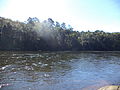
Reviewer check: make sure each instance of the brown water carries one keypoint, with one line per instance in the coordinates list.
(59, 70)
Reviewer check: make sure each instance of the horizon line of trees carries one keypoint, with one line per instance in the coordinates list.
(49, 35)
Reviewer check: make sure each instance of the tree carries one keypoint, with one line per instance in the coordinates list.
(70, 28)
(50, 35)
(63, 26)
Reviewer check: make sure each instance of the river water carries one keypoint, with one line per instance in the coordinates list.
(59, 70)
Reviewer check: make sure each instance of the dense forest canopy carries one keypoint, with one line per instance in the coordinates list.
(48, 35)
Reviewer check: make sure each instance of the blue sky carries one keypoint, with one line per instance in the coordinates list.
(81, 14)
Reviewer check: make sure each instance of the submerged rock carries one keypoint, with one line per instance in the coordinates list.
(112, 87)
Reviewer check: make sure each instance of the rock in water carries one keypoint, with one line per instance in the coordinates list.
(3, 85)
(110, 88)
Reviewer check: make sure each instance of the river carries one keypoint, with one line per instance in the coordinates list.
(59, 70)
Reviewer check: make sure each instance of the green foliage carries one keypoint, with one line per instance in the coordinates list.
(53, 36)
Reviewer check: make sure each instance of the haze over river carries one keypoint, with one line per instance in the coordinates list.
(59, 70)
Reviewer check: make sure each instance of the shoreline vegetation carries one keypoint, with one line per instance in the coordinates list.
(50, 35)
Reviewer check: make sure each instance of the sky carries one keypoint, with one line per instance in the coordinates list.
(82, 15)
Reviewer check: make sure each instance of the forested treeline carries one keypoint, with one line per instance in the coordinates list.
(49, 35)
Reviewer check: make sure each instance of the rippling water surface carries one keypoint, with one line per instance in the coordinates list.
(59, 70)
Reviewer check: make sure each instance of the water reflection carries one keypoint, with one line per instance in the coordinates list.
(59, 70)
